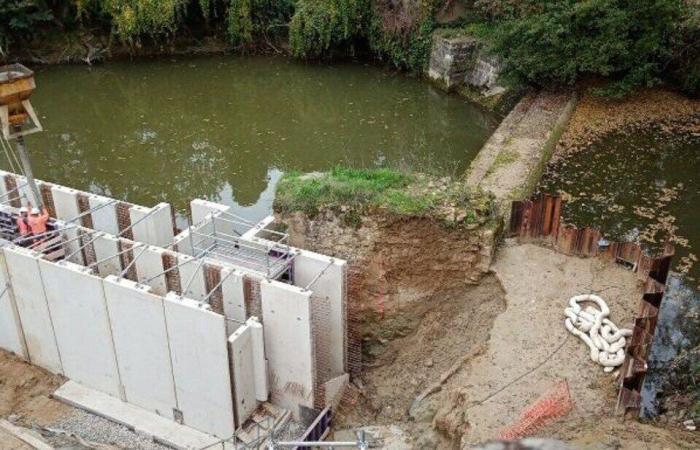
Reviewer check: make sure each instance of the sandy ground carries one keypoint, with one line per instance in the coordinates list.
(499, 350)
(529, 338)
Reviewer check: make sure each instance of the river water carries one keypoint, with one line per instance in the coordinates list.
(226, 128)
(645, 187)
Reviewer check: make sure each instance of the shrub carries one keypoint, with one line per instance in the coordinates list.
(253, 20)
(19, 20)
(324, 28)
(562, 41)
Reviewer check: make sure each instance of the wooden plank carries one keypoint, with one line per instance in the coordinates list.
(25, 436)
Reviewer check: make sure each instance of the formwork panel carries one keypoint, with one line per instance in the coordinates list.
(243, 369)
(233, 298)
(288, 344)
(105, 248)
(155, 229)
(11, 337)
(105, 218)
(199, 352)
(81, 324)
(25, 277)
(331, 286)
(192, 273)
(66, 202)
(141, 343)
(149, 264)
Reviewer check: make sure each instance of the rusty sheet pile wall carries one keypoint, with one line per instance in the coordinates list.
(539, 218)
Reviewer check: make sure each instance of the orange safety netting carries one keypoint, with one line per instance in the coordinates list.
(550, 406)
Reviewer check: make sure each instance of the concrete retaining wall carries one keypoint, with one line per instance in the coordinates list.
(25, 278)
(243, 371)
(199, 353)
(11, 336)
(81, 325)
(288, 344)
(141, 343)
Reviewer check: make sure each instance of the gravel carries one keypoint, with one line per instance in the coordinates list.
(99, 430)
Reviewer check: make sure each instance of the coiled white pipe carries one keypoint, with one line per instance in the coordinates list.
(604, 339)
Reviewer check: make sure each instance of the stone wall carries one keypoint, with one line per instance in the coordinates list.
(460, 61)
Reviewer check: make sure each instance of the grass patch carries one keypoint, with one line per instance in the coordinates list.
(352, 193)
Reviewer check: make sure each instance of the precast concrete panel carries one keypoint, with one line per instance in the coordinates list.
(11, 337)
(199, 352)
(152, 225)
(202, 208)
(106, 246)
(233, 298)
(104, 218)
(262, 387)
(149, 264)
(192, 273)
(141, 343)
(81, 325)
(288, 344)
(65, 201)
(243, 369)
(331, 285)
(71, 245)
(25, 278)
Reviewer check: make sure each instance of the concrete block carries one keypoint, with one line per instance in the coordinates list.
(104, 218)
(192, 272)
(243, 370)
(25, 278)
(66, 202)
(107, 246)
(288, 344)
(81, 325)
(141, 344)
(331, 284)
(199, 352)
(155, 229)
(11, 335)
(183, 244)
(262, 386)
(233, 298)
(150, 264)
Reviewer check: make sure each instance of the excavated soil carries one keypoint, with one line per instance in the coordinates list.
(25, 391)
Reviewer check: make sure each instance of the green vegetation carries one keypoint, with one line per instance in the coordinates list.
(563, 41)
(325, 28)
(543, 43)
(352, 193)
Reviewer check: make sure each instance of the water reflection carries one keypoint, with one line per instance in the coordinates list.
(225, 128)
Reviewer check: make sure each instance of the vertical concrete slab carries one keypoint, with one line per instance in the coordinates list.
(202, 208)
(183, 244)
(288, 344)
(331, 284)
(104, 218)
(243, 369)
(141, 344)
(192, 272)
(233, 298)
(65, 201)
(71, 245)
(106, 246)
(81, 324)
(11, 335)
(262, 387)
(25, 278)
(199, 352)
(152, 225)
(149, 265)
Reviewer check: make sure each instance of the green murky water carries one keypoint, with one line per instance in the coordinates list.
(226, 128)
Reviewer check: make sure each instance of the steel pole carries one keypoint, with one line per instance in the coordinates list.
(27, 168)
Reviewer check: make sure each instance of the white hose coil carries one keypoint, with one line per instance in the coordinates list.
(604, 339)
